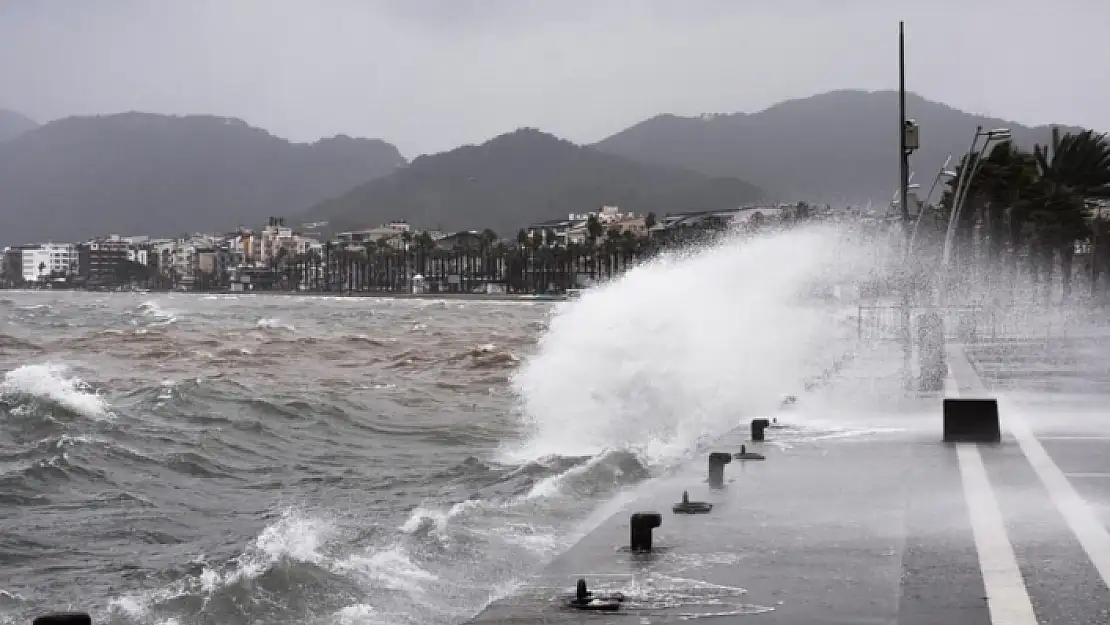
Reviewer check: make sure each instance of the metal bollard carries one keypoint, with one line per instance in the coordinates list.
(586, 600)
(749, 455)
(641, 524)
(691, 507)
(758, 425)
(717, 462)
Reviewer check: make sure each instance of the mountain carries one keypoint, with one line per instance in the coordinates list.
(140, 173)
(13, 124)
(836, 147)
(524, 177)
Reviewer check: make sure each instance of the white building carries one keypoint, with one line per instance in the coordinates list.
(138, 255)
(36, 265)
(392, 234)
(274, 237)
(178, 257)
(49, 259)
(303, 245)
(575, 228)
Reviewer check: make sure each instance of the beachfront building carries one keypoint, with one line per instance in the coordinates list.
(101, 261)
(673, 224)
(41, 262)
(392, 234)
(575, 229)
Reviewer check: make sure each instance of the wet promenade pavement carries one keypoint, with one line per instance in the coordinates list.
(861, 515)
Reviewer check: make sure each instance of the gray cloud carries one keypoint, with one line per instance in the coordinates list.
(432, 74)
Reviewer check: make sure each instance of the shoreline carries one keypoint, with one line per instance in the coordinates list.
(492, 297)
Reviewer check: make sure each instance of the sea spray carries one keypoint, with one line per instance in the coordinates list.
(687, 345)
(395, 513)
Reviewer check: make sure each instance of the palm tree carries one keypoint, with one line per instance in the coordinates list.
(425, 244)
(1072, 170)
(1033, 202)
(993, 201)
(631, 248)
(594, 229)
(532, 262)
(1009, 175)
(1100, 251)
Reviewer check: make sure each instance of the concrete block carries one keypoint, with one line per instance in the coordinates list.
(968, 420)
(64, 618)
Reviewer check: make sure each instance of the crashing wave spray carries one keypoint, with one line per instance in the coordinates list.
(685, 346)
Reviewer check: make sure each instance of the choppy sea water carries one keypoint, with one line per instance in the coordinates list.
(284, 459)
(268, 459)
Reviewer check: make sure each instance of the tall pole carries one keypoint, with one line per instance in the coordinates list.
(903, 184)
(903, 156)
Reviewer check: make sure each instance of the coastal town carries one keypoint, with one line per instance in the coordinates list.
(550, 256)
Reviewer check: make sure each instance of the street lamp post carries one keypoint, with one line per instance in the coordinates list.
(908, 142)
(967, 173)
(944, 172)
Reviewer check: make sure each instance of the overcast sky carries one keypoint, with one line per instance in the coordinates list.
(429, 75)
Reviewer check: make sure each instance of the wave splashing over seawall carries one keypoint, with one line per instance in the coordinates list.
(684, 347)
(364, 460)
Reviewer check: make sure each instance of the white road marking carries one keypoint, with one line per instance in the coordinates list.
(1087, 475)
(1074, 438)
(1082, 520)
(1007, 598)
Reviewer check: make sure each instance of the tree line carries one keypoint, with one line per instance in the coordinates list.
(1026, 215)
(538, 262)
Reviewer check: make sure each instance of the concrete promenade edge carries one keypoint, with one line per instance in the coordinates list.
(890, 526)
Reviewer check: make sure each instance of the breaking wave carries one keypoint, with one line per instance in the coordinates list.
(685, 347)
(50, 384)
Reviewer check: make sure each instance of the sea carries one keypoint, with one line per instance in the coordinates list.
(249, 458)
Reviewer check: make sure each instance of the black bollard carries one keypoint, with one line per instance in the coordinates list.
(691, 507)
(581, 594)
(758, 425)
(641, 524)
(586, 600)
(749, 455)
(717, 462)
(64, 618)
(971, 421)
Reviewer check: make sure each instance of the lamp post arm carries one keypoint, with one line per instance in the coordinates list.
(956, 203)
(953, 215)
(925, 204)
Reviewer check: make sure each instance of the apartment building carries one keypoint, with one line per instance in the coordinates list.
(392, 234)
(101, 260)
(39, 262)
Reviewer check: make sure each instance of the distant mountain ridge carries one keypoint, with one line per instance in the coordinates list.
(835, 147)
(142, 173)
(13, 124)
(524, 177)
(162, 175)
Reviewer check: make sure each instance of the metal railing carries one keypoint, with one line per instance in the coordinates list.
(967, 324)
